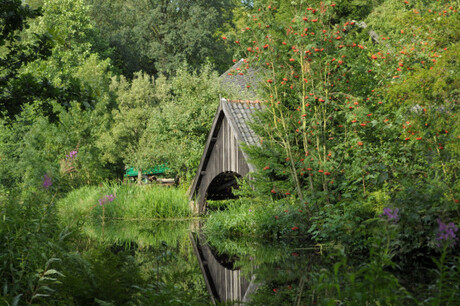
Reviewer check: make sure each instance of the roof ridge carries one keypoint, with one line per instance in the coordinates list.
(244, 101)
(233, 67)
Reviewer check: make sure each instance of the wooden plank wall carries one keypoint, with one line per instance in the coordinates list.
(226, 156)
(229, 284)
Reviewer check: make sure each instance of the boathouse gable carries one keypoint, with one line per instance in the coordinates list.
(223, 161)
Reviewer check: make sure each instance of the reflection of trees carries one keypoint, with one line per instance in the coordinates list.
(164, 255)
(272, 265)
(172, 268)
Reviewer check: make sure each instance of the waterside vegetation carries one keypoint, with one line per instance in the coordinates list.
(128, 202)
(358, 149)
(358, 158)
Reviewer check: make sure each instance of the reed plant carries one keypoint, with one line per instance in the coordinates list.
(254, 217)
(129, 202)
(142, 233)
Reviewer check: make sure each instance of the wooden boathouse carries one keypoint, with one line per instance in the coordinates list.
(222, 163)
(223, 160)
(224, 283)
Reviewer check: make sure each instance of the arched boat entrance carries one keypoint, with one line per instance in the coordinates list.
(224, 283)
(223, 160)
(222, 187)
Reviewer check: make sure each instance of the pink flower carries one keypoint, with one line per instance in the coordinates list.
(106, 198)
(392, 214)
(446, 232)
(71, 155)
(47, 181)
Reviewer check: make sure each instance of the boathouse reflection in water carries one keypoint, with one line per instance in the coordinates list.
(224, 282)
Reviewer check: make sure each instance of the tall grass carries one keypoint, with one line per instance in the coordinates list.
(252, 217)
(143, 233)
(132, 202)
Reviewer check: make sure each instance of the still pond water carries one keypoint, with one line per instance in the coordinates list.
(187, 268)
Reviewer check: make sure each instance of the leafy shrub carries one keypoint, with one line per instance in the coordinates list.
(30, 246)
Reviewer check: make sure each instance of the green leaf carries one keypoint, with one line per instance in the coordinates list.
(53, 271)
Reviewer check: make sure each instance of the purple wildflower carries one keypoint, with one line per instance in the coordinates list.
(392, 214)
(71, 155)
(106, 198)
(446, 232)
(46, 181)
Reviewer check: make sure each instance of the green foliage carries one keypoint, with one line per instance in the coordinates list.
(372, 282)
(135, 103)
(357, 119)
(334, 131)
(174, 273)
(33, 147)
(15, 53)
(134, 265)
(131, 202)
(158, 37)
(45, 259)
(249, 217)
(65, 71)
(14, 18)
(52, 61)
(145, 233)
(30, 242)
(446, 288)
(100, 275)
(177, 129)
(162, 121)
(68, 22)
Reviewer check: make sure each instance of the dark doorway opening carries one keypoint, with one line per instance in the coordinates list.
(221, 188)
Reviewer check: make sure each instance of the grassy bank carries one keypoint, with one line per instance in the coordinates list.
(255, 218)
(143, 233)
(130, 202)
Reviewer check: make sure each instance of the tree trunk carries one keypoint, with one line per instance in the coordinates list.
(139, 177)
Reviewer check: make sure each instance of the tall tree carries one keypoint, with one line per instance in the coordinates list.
(67, 86)
(15, 53)
(157, 36)
(135, 104)
(43, 62)
(177, 129)
(343, 117)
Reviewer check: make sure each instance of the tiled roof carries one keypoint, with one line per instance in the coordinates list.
(233, 81)
(241, 113)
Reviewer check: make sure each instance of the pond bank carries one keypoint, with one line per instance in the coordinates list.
(127, 202)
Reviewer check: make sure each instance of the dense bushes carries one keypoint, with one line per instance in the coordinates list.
(360, 132)
(30, 246)
(359, 148)
(59, 100)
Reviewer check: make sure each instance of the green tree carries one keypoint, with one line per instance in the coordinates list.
(346, 121)
(44, 64)
(135, 102)
(360, 118)
(69, 87)
(71, 28)
(158, 36)
(178, 128)
(16, 89)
